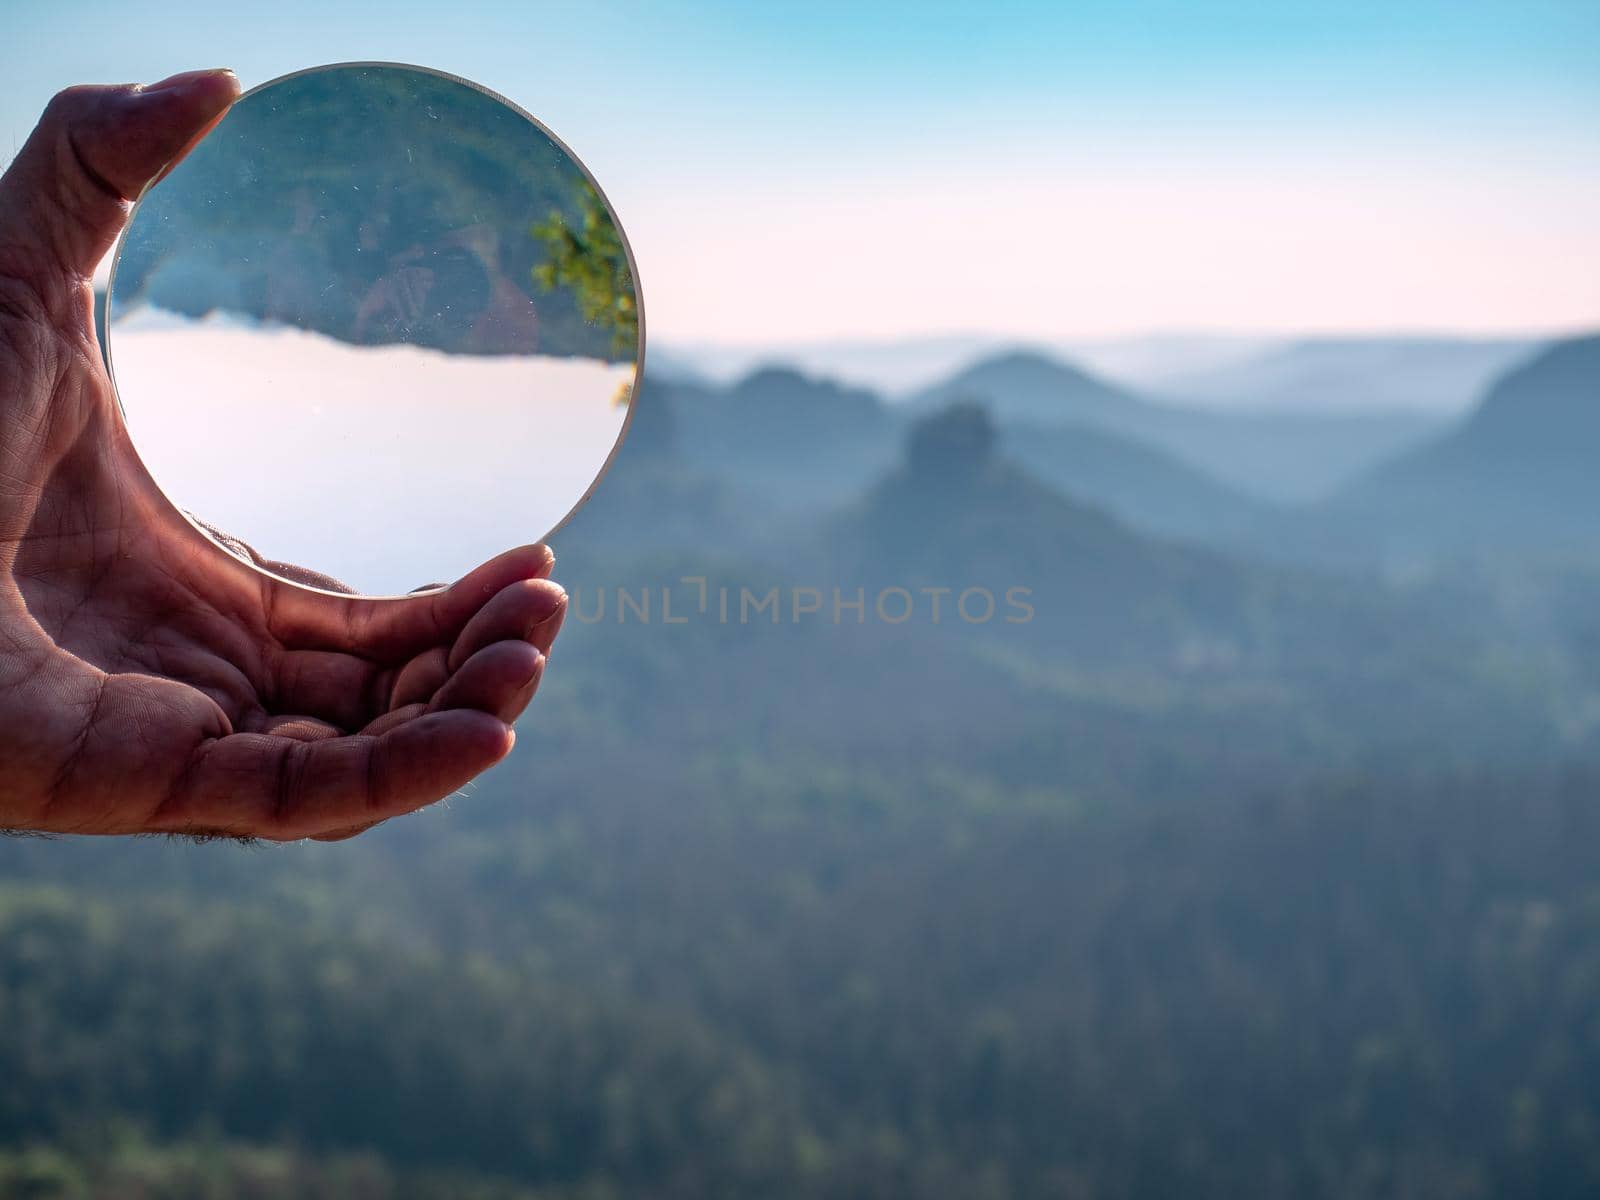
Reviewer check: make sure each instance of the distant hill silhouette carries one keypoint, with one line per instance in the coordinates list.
(1145, 486)
(1111, 601)
(1356, 374)
(798, 444)
(955, 513)
(1278, 456)
(1022, 385)
(793, 441)
(1518, 474)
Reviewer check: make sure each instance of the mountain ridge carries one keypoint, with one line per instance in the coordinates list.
(1516, 474)
(1278, 457)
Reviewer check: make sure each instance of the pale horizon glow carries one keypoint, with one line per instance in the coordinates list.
(1094, 252)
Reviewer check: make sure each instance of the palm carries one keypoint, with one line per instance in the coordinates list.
(151, 681)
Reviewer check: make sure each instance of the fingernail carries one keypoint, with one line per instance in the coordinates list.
(186, 79)
(533, 672)
(553, 605)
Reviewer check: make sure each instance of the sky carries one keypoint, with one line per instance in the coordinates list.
(794, 172)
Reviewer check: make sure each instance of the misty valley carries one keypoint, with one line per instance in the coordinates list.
(1261, 859)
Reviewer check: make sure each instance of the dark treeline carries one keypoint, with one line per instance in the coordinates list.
(1364, 990)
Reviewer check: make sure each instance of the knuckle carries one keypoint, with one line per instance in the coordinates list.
(72, 102)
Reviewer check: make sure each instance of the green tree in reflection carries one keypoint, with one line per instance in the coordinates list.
(591, 261)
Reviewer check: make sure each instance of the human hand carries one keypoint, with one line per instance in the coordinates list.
(150, 681)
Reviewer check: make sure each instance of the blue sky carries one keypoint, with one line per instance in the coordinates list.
(797, 171)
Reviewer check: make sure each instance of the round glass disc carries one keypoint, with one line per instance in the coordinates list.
(379, 323)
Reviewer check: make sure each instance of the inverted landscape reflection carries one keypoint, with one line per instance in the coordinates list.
(378, 323)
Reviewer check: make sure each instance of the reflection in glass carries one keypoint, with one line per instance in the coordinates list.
(378, 323)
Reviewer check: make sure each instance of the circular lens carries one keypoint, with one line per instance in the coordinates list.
(378, 323)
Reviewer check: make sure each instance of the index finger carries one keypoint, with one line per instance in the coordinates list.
(384, 628)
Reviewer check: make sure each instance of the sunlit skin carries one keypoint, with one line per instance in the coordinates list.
(150, 681)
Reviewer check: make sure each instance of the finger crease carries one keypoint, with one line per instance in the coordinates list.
(70, 762)
(373, 774)
(290, 764)
(100, 182)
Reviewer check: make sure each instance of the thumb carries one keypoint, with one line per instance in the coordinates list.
(65, 197)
